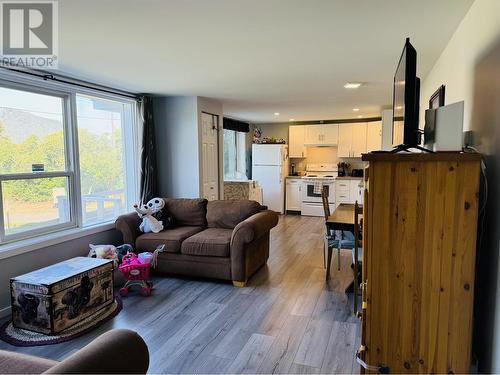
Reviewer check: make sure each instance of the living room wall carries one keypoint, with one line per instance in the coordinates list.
(456, 64)
(469, 66)
(45, 256)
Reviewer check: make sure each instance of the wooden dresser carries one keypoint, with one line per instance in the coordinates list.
(419, 246)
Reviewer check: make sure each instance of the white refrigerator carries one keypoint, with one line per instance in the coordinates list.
(269, 169)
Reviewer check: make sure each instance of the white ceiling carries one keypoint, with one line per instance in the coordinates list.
(257, 56)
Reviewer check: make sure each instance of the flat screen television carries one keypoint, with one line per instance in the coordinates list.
(406, 100)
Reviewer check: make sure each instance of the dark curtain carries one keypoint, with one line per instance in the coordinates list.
(235, 125)
(149, 182)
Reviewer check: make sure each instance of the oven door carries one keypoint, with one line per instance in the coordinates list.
(308, 194)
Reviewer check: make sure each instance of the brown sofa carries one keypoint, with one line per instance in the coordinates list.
(226, 240)
(118, 351)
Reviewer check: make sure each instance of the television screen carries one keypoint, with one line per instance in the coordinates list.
(399, 102)
(406, 99)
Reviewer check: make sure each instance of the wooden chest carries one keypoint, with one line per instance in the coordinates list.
(419, 246)
(54, 298)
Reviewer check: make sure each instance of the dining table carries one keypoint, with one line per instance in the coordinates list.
(342, 219)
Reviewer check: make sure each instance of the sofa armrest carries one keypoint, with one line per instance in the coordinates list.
(128, 224)
(254, 227)
(246, 232)
(116, 351)
(20, 363)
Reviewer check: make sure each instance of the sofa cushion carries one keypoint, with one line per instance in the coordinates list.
(192, 212)
(172, 238)
(228, 214)
(213, 242)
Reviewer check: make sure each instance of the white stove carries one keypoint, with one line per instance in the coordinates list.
(321, 171)
(318, 174)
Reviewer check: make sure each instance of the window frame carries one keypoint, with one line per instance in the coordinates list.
(240, 162)
(131, 147)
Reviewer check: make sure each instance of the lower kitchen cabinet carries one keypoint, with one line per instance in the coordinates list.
(348, 191)
(293, 194)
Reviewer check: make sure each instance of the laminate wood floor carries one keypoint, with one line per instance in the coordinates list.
(287, 320)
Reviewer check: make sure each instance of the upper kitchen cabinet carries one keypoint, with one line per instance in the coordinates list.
(296, 138)
(321, 135)
(358, 139)
(331, 134)
(352, 140)
(373, 136)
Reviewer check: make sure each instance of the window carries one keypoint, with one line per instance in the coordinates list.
(50, 182)
(102, 163)
(235, 164)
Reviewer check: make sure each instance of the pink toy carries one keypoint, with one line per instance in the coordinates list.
(145, 258)
(136, 273)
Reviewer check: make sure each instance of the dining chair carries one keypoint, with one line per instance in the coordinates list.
(357, 253)
(331, 240)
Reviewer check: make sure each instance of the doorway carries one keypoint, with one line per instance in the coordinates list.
(210, 155)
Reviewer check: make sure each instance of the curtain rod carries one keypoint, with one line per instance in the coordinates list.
(46, 76)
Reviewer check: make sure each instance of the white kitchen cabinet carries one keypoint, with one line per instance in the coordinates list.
(348, 191)
(296, 139)
(345, 141)
(293, 194)
(342, 191)
(313, 134)
(352, 140)
(330, 134)
(356, 191)
(324, 134)
(373, 136)
(358, 145)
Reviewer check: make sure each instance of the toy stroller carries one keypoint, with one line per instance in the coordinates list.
(136, 273)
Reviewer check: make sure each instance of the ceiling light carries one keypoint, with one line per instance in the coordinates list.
(276, 113)
(292, 119)
(355, 109)
(360, 116)
(352, 85)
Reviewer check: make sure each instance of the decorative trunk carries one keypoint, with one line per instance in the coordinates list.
(54, 298)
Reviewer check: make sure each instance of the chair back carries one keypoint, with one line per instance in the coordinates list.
(324, 199)
(358, 210)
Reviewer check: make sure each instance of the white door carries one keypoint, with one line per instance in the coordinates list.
(314, 134)
(293, 194)
(345, 141)
(270, 179)
(331, 134)
(373, 136)
(296, 137)
(267, 154)
(210, 156)
(358, 146)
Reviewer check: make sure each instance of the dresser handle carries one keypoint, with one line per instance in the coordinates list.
(366, 366)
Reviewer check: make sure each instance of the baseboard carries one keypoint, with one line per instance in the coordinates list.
(4, 311)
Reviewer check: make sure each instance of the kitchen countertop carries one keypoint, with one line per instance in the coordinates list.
(348, 178)
(337, 178)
